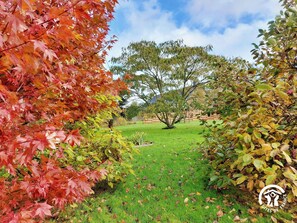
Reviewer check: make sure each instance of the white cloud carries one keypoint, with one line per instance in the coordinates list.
(150, 22)
(219, 13)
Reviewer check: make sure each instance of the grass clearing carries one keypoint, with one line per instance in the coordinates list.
(169, 184)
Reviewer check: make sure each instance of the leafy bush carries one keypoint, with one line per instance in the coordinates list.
(120, 121)
(104, 150)
(107, 151)
(137, 138)
(256, 144)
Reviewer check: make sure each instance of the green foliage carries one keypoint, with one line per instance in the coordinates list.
(103, 149)
(137, 138)
(133, 110)
(256, 144)
(108, 150)
(119, 121)
(164, 75)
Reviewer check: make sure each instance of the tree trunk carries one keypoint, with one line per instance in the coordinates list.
(168, 126)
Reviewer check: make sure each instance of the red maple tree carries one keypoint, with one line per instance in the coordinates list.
(51, 68)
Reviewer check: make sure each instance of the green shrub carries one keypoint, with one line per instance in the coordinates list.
(256, 144)
(102, 149)
(120, 121)
(137, 138)
(109, 151)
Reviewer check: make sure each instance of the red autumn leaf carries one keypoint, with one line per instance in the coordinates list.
(51, 73)
(73, 138)
(39, 45)
(43, 210)
(49, 54)
(16, 23)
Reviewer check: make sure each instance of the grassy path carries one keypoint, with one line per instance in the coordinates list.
(169, 184)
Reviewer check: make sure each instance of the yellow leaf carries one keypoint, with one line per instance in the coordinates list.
(246, 138)
(290, 175)
(261, 141)
(287, 157)
(257, 134)
(293, 169)
(283, 96)
(294, 190)
(274, 152)
(266, 126)
(247, 158)
(250, 185)
(258, 164)
(279, 163)
(270, 179)
(261, 184)
(274, 220)
(263, 87)
(267, 147)
(241, 179)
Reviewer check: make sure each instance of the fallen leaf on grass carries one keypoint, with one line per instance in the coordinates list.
(149, 187)
(227, 203)
(233, 210)
(99, 209)
(220, 213)
(238, 219)
(206, 207)
(252, 211)
(186, 200)
(209, 199)
(151, 217)
(274, 219)
(140, 202)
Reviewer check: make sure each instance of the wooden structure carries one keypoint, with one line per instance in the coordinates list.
(189, 116)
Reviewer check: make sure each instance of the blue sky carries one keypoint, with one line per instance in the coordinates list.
(229, 25)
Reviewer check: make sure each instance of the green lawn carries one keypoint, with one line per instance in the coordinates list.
(170, 184)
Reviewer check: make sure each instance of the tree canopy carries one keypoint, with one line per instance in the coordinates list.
(164, 75)
(51, 73)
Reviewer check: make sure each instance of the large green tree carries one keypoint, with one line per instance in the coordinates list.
(164, 75)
